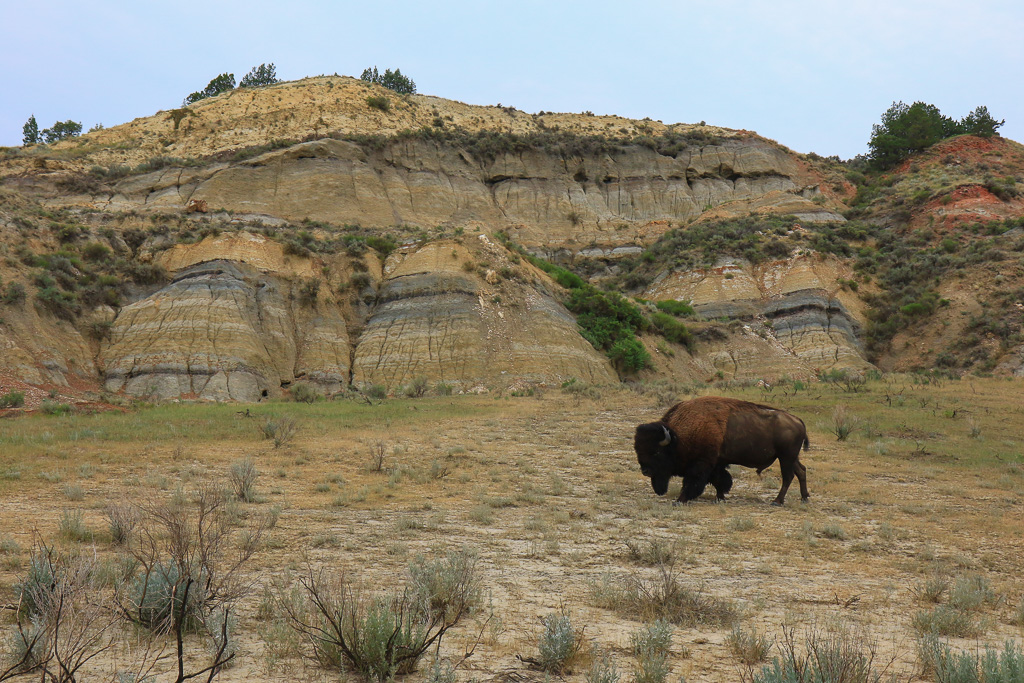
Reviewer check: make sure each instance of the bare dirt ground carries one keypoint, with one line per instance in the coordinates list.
(546, 490)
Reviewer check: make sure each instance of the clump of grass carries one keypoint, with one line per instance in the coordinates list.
(1018, 615)
(932, 590)
(156, 599)
(482, 515)
(832, 657)
(750, 647)
(559, 644)
(834, 532)
(446, 585)
(12, 399)
(972, 593)
(280, 430)
(740, 524)
(603, 669)
(74, 492)
(304, 392)
(654, 552)
(946, 620)
(379, 636)
(71, 527)
(663, 597)
(121, 521)
(243, 475)
(8, 546)
(650, 647)
(945, 665)
(441, 671)
(843, 422)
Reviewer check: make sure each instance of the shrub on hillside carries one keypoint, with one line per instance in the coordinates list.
(12, 399)
(676, 308)
(379, 102)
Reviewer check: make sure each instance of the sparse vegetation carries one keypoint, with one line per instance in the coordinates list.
(651, 646)
(12, 399)
(243, 475)
(280, 430)
(378, 636)
(664, 598)
(839, 657)
(945, 665)
(750, 647)
(559, 644)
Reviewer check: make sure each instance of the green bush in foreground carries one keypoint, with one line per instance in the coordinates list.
(824, 658)
(650, 647)
(559, 643)
(937, 659)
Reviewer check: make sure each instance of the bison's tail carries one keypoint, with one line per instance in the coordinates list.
(807, 443)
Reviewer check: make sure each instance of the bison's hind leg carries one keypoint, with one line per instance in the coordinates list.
(801, 475)
(722, 481)
(788, 470)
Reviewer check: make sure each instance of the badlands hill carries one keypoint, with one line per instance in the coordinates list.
(300, 233)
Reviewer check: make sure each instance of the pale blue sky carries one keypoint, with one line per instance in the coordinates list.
(812, 75)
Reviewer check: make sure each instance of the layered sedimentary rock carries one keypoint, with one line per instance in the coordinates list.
(222, 330)
(434, 320)
(796, 304)
(234, 323)
(615, 198)
(230, 325)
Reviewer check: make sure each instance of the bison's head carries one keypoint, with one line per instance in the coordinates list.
(653, 445)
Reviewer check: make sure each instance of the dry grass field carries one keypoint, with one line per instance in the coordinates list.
(915, 522)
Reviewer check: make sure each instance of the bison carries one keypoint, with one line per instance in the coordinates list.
(698, 440)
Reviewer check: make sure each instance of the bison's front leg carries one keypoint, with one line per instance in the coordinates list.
(695, 480)
(722, 481)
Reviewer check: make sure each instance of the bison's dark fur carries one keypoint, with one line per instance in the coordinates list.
(697, 440)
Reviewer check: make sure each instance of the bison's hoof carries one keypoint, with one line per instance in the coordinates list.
(805, 500)
(776, 504)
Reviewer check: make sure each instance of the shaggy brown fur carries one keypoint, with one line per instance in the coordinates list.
(698, 440)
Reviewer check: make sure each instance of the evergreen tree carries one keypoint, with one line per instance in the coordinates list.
(908, 129)
(221, 83)
(30, 132)
(980, 122)
(393, 80)
(62, 130)
(264, 74)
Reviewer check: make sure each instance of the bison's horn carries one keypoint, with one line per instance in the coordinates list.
(668, 437)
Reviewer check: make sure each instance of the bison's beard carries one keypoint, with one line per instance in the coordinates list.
(660, 485)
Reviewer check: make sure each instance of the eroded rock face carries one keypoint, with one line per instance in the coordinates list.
(234, 324)
(223, 330)
(610, 199)
(434, 320)
(803, 309)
